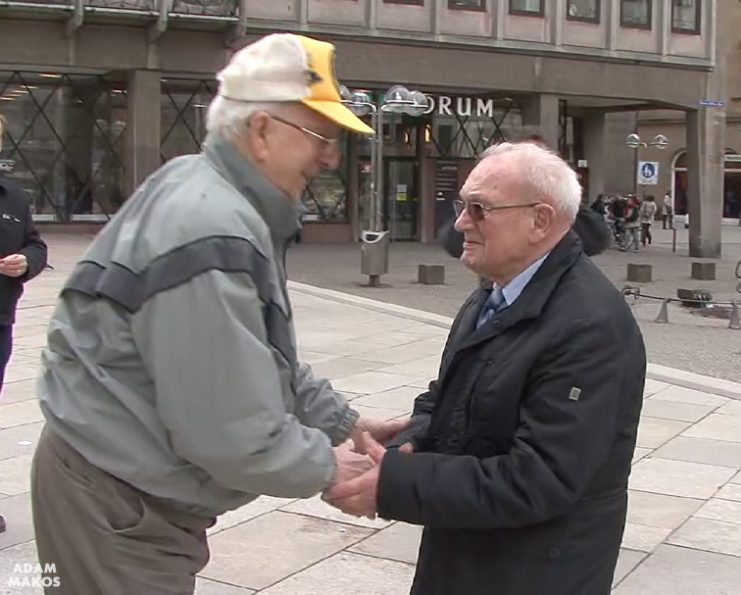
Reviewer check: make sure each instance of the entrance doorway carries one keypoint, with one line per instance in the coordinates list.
(399, 208)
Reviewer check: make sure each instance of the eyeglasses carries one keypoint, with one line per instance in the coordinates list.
(324, 143)
(478, 211)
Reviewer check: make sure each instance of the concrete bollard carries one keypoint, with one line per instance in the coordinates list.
(703, 271)
(640, 273)
(735, 323)
(663, 316)
(431, 274)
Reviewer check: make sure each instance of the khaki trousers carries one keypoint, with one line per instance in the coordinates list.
(105, 537)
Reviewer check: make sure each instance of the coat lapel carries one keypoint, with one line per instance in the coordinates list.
(531, 302)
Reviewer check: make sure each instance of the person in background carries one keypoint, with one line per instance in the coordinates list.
(171, 384)
(631, 215)
(666, 211)
(517, 458)
(647, 216)
(22, 256)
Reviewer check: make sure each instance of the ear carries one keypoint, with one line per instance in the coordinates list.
(257, 136)
(544, 216)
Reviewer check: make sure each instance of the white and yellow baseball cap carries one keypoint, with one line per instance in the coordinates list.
(287, 67)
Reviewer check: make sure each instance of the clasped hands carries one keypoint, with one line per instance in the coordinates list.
(355, 488)
(14, 265)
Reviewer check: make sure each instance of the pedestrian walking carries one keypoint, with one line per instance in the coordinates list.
(22, 257)
(667, 211)
(631, 214)
(647, 215)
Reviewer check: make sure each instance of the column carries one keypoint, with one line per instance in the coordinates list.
(142, 126)
(705, 149)
(593, 129)
(540, 116)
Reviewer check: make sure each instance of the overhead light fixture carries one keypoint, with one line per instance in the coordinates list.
(50, 75)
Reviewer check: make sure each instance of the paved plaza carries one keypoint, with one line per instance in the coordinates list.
(683, 535)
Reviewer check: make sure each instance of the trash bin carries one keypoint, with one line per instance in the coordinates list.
(374, 255)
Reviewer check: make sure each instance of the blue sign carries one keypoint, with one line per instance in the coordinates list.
(711, 103)
(648, 173)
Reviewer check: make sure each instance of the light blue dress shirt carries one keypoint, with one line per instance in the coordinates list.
(510, 292)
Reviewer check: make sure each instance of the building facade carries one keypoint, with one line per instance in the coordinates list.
(673, 163)
(98, 93)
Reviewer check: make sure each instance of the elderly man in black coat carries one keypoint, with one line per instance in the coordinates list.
(22, 257)
(517, 458)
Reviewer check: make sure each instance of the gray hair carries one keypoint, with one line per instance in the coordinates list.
(545, 173)
(230, 118)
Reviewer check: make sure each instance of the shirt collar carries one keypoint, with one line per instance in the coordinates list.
(514, 288)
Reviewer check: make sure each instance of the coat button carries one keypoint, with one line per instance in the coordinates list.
(554, 553)
(497, 324)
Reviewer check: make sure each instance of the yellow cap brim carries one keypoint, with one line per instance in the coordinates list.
(339, 114)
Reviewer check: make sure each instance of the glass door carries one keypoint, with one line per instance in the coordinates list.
(402, 200)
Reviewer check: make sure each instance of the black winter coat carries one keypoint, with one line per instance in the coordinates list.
(525, 440)
(17, 235)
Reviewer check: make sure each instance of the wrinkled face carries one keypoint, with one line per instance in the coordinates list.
(292, 145)
(499, 244)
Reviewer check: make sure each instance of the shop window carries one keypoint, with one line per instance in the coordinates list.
(64, 142)
(583, 10)
(635, 13)
(686, 16)
(183, 116)
(535, 8)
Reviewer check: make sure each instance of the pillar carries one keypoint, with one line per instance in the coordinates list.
(143, 126)
(540, 116)
(593, 129)
(705, 151)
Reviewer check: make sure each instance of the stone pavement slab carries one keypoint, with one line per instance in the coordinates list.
(679, 571)
(683, 533)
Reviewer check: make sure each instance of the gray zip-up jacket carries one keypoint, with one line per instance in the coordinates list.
(171, 359)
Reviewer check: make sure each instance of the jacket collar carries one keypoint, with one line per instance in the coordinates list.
(533, 298)
(275, 208)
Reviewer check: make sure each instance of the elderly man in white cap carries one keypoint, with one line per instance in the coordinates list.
(171, 387)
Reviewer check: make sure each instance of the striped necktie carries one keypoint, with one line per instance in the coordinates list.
(491, 306)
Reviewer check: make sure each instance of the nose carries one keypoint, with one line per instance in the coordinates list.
(329, 158)
(463, 222)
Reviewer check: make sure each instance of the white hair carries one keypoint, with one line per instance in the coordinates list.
(544, 173)
(230, 118)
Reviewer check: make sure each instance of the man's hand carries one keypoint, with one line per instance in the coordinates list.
(358, 496)
(350, 464)
(380, 431)
(14, 265)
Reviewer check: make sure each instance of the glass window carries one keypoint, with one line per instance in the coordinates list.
(527, 7)
(63, 144)
(412, 2)
(686, 16)
(635, 13)
(583, 10)
(467, 5)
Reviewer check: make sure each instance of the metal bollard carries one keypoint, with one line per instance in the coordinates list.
(663, 316)
(735, 323)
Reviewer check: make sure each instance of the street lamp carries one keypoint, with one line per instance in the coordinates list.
(634, 142)
(397, 100)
